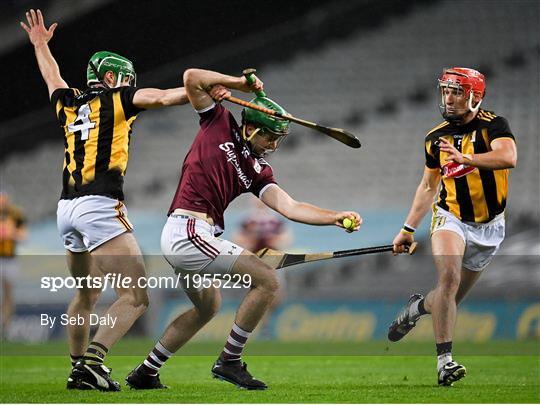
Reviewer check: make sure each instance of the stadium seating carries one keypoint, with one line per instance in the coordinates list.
(379, 84)
(363, 74)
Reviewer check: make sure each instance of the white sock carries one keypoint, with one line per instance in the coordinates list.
(443, 359)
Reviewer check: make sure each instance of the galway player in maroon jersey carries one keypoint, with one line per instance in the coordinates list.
(225, 160)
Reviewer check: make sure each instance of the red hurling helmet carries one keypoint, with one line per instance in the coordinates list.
(468, 82)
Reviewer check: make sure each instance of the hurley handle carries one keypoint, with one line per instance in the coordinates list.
(248, 74)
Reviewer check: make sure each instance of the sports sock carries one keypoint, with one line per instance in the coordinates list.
(421, 308)
(444, 354)
(74, 359)
(232, 352)
(95, 354)
(155, 359)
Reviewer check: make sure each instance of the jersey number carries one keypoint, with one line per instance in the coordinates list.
(82, 122)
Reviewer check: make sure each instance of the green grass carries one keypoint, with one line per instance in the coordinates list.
(292, 378)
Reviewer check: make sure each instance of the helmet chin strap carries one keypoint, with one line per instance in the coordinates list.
(102, 81)
(472, 109)
(250, 137)
(118, 80)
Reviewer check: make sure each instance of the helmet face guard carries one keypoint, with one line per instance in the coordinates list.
(464, 83)
(103, 62)
(270, 128)
(267, 137)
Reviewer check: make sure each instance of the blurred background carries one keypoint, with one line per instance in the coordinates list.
(368, 66)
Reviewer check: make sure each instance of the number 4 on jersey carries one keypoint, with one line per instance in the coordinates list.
(82, 123)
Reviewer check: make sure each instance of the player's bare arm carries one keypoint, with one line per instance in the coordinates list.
(154, 98)
(39, 37)
(502, 156)
(199, 82)
(278, 199)
(425, 193)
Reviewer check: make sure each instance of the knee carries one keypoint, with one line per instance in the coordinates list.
(208, 305)
(208, 311)
(449, 281)
(270, 283)
(142, 302)
(139, 300)
(87, 298)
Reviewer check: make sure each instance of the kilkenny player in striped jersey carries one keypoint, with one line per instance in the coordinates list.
(468, 158)
(92, 218)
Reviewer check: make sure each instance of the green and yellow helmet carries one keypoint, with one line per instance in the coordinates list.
(103, 61)
(264, 121)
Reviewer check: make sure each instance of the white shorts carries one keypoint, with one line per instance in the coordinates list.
(87, 222)
(189, 245)
(9, 267)
(482, 241)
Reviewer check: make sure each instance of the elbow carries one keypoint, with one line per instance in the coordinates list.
(511, 161)
(165, 101)
(191, 77)
(159, 99)
(287, 210)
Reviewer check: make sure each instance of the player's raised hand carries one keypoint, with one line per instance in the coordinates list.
(348, 220)
(36, 30)
(219, 92)
(257, 85)
(453, 154)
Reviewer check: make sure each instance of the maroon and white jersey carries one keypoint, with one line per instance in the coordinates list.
(219, 167)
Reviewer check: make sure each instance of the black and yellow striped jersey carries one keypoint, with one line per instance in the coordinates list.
(12, 220)
(480, 195)
(97, 129)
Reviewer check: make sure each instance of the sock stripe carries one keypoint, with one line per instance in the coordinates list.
(98, 346)
(152, 365)
(160, 356)
(234, 342)
(232, 351)
(159, 347)
(156, 358)
(90, 353)
(155, 362)
(230, 357)
(95, 352)
(239, 331)
(147, 370)
(233, 348)
(237, 337)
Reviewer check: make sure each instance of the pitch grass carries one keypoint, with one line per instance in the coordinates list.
(292, 378)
